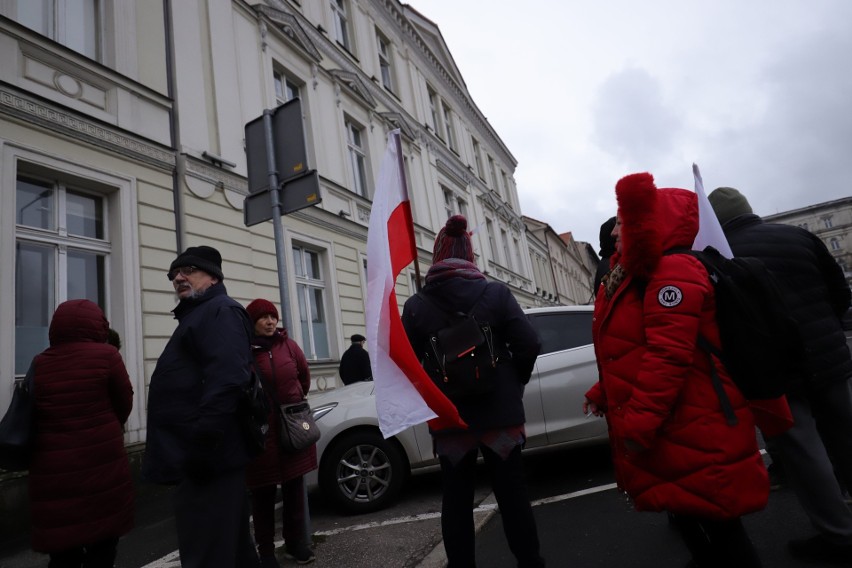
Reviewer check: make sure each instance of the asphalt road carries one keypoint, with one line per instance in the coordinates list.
(583, 523)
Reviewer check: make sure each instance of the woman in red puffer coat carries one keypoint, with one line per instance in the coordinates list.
(283, 366)
(672, 447)
(80, 489)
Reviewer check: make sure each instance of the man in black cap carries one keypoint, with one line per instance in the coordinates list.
(194, 437)
(355, 363)
(820, 442)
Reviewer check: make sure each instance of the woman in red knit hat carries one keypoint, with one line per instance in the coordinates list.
(284, 369)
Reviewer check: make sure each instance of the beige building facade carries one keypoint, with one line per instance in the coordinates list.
(122, 142)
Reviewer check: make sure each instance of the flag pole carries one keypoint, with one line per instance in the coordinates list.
(397, 136)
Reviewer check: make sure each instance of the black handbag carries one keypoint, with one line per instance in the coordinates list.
(297, 428)
(17, 429)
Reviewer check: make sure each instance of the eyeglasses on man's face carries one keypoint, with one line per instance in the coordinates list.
(182, 270)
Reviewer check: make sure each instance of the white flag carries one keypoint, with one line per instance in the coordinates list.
(710, 232)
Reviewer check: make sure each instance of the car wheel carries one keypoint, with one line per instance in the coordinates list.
(362, 472)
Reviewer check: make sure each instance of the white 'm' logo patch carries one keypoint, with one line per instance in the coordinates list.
(670, 296)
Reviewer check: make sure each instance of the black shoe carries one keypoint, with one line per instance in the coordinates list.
(301, 554)
(820, 549)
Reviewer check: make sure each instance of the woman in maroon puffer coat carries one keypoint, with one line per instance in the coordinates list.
(672, 447)
(81, 493)
(283, 366)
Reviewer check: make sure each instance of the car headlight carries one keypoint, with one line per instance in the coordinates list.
(321, 411)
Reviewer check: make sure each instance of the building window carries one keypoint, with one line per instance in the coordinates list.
(477, 158)
(434, 110)
(385, 61)
(835, 244)
(73, 23)
(310, 295)
(492, 171)
(357, 157)
(492, 243)
(341, 23)
(449, 127)
(827, 222)
(507, 256)
(449, 200)
(61, 253)
(285, 88)
(462, 206)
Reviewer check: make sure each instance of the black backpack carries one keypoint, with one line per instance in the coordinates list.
(762, 348)
(460, 357)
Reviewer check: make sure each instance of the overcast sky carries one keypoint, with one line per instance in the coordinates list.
(757, 92)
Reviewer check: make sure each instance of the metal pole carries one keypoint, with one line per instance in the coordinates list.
(274, 195)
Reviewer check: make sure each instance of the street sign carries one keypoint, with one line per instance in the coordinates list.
(296, 193)
(288, 140)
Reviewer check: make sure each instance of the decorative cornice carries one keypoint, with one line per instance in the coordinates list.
(450, 170)
(355, 84)
(504, 211)
(289, 25)
(79, 128)
(397, 120)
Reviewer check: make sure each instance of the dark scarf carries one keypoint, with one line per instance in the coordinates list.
(265, 342)
(452, 268)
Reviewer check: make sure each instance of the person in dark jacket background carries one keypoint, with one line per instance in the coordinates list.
(820, 443)
(355, 363)
(80, 489)
(194, 437)
(284, 368)
(607, 250)
(496, 419)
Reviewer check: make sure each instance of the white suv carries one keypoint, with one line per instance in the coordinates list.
(360, 471)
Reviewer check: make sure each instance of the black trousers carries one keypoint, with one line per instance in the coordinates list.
(212, 519)
(98, 555)
(717, 544)
(507, 481)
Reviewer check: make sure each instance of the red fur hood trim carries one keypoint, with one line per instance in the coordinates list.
(653, 221)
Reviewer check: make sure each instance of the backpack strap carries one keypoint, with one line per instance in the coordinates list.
(724, 401)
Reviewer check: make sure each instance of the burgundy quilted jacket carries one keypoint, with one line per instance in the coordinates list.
(284, 365)
(79, 483)
(672, 447)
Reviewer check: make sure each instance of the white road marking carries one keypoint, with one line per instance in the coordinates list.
(172, 560)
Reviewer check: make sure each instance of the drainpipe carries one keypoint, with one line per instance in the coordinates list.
(174, 124)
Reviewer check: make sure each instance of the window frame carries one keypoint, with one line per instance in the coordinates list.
(356, 150)
(63, 245)
(56, 25)
(340, 10)
(384, 51)
(309, 285)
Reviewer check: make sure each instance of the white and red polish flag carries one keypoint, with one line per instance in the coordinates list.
(710, 231)
(405, 395)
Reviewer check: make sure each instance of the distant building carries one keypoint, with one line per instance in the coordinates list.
(830, 221)
(565, 268)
